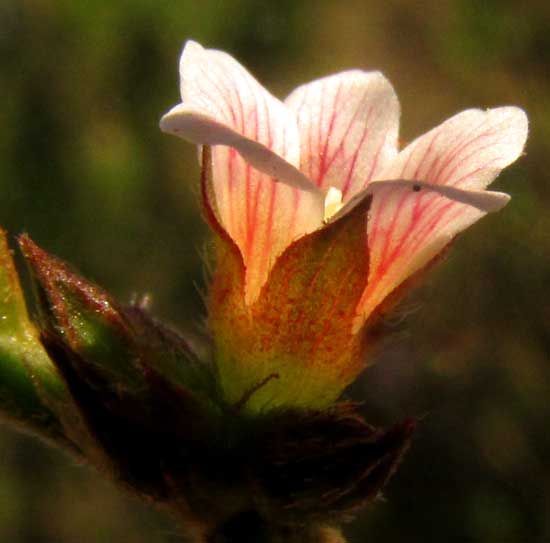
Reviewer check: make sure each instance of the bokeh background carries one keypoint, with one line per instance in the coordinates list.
(85, 170)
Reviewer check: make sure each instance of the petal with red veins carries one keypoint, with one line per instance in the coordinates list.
(466, 151)
(256, 144)
(348, 126)
(409, 225)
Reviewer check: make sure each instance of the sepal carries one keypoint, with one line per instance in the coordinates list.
(300, 328)
(138, 385)
(83, 316)
(288, 473)
(326, 465)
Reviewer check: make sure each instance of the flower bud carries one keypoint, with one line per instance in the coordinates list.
(139, 387)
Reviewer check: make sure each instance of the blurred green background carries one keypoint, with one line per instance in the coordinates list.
(85, 170)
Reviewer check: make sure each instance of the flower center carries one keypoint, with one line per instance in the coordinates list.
(333, 202)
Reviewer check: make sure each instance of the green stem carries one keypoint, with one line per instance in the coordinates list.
(20, 402)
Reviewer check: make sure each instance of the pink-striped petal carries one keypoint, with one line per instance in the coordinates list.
(348, 126)
(256, 144)
(409, 224)
(197, 127)
(466, 151)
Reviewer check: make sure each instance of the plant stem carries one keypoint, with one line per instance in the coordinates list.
(249, 527)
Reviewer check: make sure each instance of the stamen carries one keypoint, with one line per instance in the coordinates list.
(333, 202)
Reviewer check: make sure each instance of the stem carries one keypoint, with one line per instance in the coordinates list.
(250, 527)
(19, 400)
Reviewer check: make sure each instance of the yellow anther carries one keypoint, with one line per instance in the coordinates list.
(333, 202)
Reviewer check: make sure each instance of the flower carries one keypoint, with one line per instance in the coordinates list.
(323, 222)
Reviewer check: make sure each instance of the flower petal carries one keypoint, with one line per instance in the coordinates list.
(348, 126)
(197, 127)
(256, 143)
(466, 151)
(409, 225)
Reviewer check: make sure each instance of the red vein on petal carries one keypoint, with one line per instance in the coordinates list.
(375, 216)
(221, 90)
(389, 247)
(374, 166)
(414, 229)
(246, 188)
(217, 77)
(488, 166)
(267, 251)
(294, 215)
(452, 160)
(428, 229)
(491, 133)
(312, 174)
(255, 183)
(230, 85)
(376, 157)
(230, 157)
(325, 162)
(274, 194)
(431, 222)
(295, 193)
(452, 151)
(421, 230)
(391, 228)
(355, 154)
(340, 148)
(439, 219)
(319, 134)
(464, 159)
(430, 170)
(425, 156)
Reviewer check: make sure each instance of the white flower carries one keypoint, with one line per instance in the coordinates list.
(279, 169)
